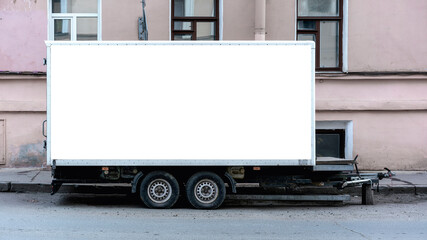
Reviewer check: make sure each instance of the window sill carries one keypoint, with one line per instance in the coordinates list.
(330, 74)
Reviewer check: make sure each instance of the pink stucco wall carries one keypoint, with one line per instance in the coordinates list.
(393, 139)
(119, 20)
(23, 110)
(24, 141)
(23, 30)
(389, 117)
(389, 112)
(366, 93)
(387, 35)
(383, 35)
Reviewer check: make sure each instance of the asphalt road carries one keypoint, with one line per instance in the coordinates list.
(89, 216)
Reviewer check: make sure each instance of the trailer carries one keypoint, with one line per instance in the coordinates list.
(186, 119)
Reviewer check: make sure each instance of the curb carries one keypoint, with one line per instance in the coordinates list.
(4, 186)
(382, 190)
(30, 187)
(47, 188)
(404, 190)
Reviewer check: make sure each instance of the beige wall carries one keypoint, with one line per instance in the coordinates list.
(23, 109)
(387, 35)
(157, 19)
(280, 20)
(120, 19)
(239, 20)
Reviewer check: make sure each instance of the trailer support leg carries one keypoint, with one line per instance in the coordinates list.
(367, 195)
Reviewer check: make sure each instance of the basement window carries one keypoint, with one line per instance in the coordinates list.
(330, 143)
(334, 139)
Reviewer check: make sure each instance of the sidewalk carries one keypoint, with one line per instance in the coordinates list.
(25, 180)
(39, 179)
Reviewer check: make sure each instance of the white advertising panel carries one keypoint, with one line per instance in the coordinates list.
(163, 103)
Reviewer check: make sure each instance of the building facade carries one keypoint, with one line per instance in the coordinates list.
(371, 64)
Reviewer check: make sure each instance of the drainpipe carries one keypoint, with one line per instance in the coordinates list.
(260, 20)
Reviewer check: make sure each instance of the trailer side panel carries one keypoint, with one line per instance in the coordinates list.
(214, 103)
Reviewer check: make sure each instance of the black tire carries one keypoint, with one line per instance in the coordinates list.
(205, 190)
(159, 189)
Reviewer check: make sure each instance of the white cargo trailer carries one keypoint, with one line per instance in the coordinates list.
(167, 116)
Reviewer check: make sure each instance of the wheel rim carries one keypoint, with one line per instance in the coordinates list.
(159, 190)
(206, 191)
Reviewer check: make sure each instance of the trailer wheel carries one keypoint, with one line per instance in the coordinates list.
(159, 189)
(205, 190)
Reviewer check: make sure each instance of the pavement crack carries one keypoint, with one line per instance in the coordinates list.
(32, 179)
(351, 230)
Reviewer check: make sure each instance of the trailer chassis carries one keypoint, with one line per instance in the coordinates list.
(335, 176)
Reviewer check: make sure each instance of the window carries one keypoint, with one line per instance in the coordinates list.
(321, 21)
(330, 143)
(74, 20)
(195, 20)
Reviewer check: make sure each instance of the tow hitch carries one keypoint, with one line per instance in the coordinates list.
(367, 180)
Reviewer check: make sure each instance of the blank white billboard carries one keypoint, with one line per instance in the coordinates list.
(163, 103)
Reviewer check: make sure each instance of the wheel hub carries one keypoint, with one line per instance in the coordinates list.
(206, 191)
(159, 190)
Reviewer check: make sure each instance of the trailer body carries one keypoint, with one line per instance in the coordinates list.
(181, 104)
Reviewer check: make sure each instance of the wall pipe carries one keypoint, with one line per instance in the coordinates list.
(260, 20)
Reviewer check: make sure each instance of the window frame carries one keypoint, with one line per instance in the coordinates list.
(316, 32)
(73, 21)
(194, 21)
